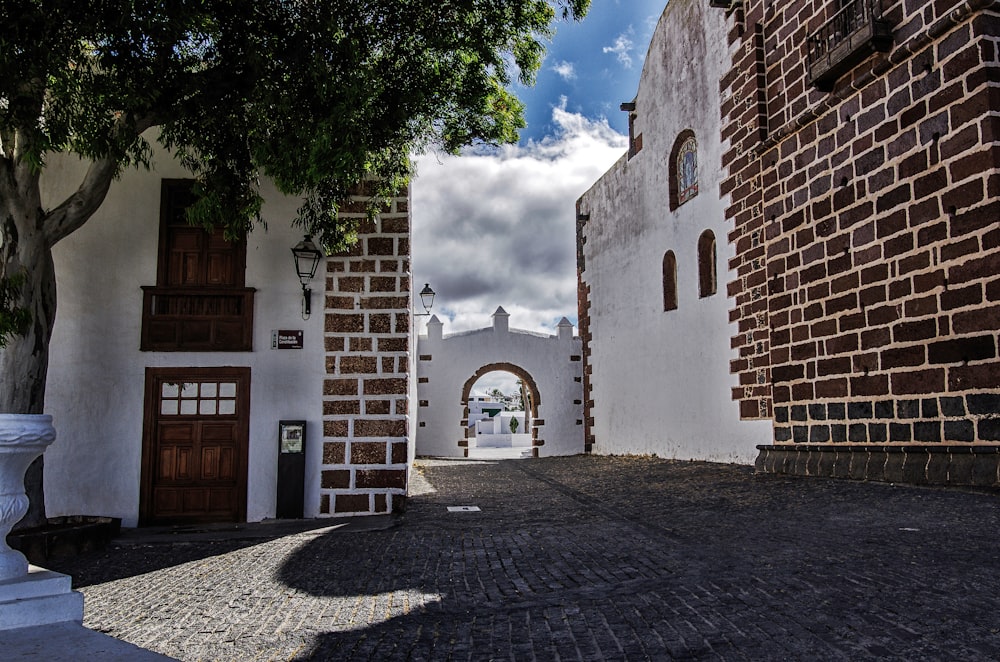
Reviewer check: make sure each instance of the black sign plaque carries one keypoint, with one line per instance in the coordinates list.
(288, 339)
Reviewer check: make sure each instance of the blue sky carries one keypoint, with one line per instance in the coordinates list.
(594, 63)
(497, 228)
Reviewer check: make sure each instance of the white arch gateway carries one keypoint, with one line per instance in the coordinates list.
(448, 366)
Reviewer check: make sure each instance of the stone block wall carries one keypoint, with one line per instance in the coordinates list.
(366, 391)
(867, 227)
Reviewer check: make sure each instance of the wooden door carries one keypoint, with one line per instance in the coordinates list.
(195, 441)
(190, 256)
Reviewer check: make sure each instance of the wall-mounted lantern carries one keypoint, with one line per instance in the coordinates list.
(427, 300)
(307, 257)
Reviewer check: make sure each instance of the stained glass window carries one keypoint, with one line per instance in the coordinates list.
(687, 171)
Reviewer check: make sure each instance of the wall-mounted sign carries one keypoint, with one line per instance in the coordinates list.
(291, 436)
(286, 339)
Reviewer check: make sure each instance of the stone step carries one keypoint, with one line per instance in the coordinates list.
(41, 597)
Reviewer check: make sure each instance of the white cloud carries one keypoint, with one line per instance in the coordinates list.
(622, 49)
(499, 228)
(566, 70)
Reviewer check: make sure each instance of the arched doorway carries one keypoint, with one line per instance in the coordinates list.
(532, 396)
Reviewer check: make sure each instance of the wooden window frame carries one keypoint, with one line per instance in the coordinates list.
(200, 317)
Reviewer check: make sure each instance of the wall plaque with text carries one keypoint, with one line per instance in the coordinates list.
(286, 339)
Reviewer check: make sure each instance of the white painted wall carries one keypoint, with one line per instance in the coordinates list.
(497, 425)
(661, 381)
(96, 375)
(456, 358)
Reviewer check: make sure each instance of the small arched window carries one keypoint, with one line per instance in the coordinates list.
(707, 282)
(669, 281)
(683, 169)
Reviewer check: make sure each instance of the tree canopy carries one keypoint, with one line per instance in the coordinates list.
(313, 94)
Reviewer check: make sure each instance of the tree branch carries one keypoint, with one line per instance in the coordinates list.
(81, 205)
(7, 187)
(77, 209)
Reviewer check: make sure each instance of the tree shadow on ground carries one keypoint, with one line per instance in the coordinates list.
(143, 550)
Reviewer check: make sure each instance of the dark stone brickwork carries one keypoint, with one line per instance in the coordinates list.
(867, 226)
(367, 339)
(943, 464)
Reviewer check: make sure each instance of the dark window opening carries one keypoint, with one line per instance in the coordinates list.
(707, 282)
(669, 281)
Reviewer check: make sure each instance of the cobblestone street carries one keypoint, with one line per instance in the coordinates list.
(581, 558)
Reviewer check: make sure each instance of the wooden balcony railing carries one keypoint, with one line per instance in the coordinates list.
(184, 319)
(856, 31)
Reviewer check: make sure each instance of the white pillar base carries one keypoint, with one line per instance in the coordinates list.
(41, 597)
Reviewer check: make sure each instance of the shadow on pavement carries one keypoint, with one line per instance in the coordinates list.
(142, 550)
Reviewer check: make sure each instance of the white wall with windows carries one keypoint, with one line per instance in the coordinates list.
(655, 258)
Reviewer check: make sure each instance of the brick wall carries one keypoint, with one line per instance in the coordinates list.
(365, 395)
(867, 227)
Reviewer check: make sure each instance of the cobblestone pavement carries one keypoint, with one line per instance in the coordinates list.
(582, 558)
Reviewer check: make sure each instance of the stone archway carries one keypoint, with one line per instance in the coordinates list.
(534, 396)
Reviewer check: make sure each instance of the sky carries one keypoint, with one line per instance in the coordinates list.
(497, 227)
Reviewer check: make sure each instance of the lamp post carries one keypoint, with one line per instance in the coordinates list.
(307, 257)
(427, 300)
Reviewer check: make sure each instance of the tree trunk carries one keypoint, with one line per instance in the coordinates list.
(24, 361)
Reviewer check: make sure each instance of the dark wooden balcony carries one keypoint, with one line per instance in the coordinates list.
(203, 319)
(852, 34)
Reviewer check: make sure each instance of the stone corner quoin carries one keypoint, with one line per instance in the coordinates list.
(367, 344)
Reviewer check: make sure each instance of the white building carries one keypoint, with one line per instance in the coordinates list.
(175, 355)
(449, 366)
(652, 260)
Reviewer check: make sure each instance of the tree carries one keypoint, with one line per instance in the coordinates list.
(317, 96)
(525, 404)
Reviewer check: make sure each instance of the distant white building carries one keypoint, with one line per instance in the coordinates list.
(451, 418)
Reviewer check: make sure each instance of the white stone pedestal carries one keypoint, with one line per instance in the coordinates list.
(41, 597)
(28, 595)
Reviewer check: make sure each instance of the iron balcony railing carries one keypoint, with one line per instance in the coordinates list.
(852, 34)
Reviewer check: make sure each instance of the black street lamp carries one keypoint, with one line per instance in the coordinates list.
(307, 257)
(427, 299)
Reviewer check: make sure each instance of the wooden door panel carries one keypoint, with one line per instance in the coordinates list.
(167, 501)
(227, 463)
(218, 432)
(220, 501)
(193, 501)
(174, 464)
(195, 446)
(184, 460)
(220, 268)
(167, 463)
(176, 432)
(209, 463)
